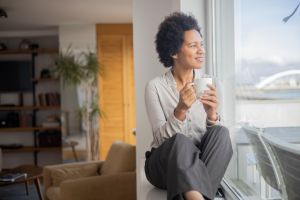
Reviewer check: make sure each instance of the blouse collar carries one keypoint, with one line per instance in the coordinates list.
(171, 80)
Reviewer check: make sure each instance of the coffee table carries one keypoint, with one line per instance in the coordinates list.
(34, 174)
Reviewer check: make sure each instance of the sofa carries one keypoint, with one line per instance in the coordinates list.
(112, 179)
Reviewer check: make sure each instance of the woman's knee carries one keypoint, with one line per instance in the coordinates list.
(182, 145)
(180, 139)
(221, 133)
(225, 137)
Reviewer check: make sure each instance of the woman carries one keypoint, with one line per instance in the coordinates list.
(190, 149)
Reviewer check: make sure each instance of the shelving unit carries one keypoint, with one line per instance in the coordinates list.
(27, 129)
(29, 108)
(37, 80)
(34, 51)
(33, 109)
(31, 149)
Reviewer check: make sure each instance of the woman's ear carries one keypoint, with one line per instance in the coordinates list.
(174, 56)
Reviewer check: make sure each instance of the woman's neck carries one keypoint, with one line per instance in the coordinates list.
(182, 76)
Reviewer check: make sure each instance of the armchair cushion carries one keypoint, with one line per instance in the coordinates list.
(120, 186)
(120, 158)
(53, 193)
(62, 174)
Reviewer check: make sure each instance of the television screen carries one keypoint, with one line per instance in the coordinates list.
(15, 76)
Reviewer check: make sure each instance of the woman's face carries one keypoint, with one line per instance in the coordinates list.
(191, 53)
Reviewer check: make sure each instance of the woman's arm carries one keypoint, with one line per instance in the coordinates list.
(163, 126)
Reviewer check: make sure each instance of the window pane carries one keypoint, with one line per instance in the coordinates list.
(270, 67)
(267, 95)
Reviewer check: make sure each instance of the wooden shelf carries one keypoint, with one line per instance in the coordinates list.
(31, 149)
(3, 108)
(27, 129)
(18, 51)
(41, 80)
(49, 105)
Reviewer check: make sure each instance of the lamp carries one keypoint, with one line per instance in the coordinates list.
(3, 13)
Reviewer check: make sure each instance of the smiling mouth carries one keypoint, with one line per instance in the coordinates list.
(200, 59)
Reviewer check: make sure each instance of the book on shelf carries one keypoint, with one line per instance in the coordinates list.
(12, 177)
(49, 99)
(11, 146)
(50, 124)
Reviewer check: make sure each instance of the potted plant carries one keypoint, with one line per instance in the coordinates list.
(82, 70)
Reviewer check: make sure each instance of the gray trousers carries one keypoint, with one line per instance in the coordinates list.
(178, 165)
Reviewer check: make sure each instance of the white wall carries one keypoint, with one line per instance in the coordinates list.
(147, 66)
(147, 15)
(80, 37)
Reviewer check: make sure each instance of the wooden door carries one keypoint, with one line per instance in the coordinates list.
(116, 87)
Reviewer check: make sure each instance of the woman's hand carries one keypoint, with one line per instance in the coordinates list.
(187, 96)
(210, 103)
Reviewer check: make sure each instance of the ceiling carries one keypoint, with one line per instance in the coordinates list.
(49, 14)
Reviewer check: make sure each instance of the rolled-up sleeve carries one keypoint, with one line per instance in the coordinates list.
(163, 126)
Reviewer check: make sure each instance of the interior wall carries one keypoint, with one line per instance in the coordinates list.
(147, 66)
(79, 37)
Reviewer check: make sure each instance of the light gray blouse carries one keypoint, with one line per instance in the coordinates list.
(161, 98)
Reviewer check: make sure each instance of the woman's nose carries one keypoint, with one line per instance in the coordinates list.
(201, 50)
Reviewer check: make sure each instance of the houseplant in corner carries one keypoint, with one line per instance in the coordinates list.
(82, 70)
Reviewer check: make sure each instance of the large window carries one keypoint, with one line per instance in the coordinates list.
(267, 97)
(268, 74)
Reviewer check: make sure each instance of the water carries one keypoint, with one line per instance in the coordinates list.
(269, 94)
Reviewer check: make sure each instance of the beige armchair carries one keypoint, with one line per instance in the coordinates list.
(112, 179)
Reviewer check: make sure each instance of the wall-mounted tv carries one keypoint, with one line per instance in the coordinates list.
(15, 76)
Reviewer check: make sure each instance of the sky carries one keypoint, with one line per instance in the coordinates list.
(266, 44)
(264, 36)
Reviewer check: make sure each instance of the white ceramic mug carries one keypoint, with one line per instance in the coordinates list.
(201, 83)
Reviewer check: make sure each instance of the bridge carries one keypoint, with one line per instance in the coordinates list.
(276, 76)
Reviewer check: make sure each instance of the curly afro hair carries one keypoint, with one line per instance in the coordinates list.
(169, 37)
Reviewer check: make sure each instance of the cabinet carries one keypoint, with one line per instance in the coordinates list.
(32, 108)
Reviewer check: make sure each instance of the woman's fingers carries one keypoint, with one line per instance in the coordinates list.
(211, 87)
(188, 88)
(210, 92)
(188, 95)
(209, 103)
(209, 98)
